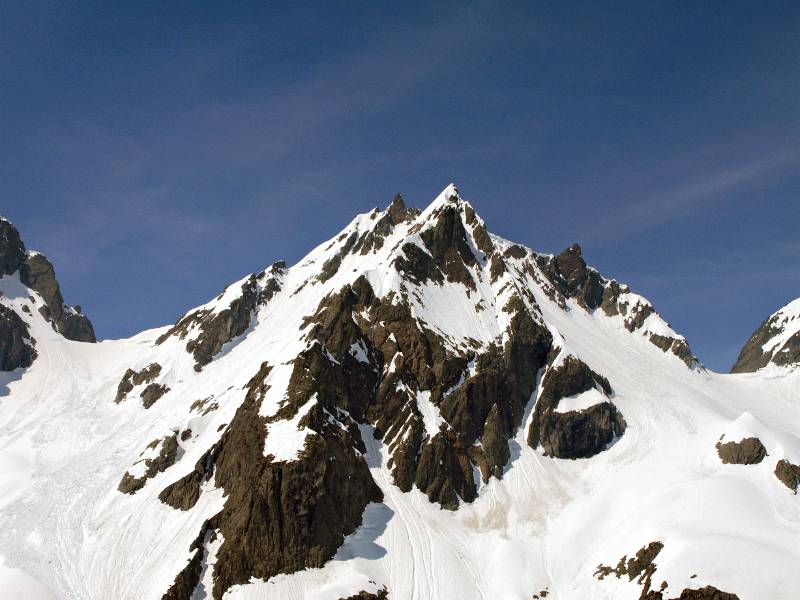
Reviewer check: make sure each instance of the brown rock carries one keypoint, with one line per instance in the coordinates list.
(788, 474)
(749, 451)
(16, 344)
(153, 466)
(152, 393)
(12, 250)
(381, 594)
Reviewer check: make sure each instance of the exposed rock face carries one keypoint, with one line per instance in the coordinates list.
(749, 451)
(186, 581)
(642, 568)
(677, 346)
(443, 407)
(133, 378)
(708, 592)
(280, 517)
(38, 274)
(788, 474)
(776, 341)
(12, 250)
(487, 405)
(218, 327)
(166, 457)
(578, 280)
(374, 239)
(16, 344)
(152, 393)
(576, 433)
(382, 594)
(570, 277)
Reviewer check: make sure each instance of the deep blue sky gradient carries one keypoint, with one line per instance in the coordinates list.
(157, 151)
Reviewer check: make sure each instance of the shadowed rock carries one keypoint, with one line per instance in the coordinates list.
(754, 356)
(217, 328)
(16, 344)
(153, 466)
(38, 274)
(381, 594)
(12, 250)
(279, 517)
(577, 433)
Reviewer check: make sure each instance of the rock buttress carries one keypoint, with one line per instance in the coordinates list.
(576, 433)
(281, 517)
(482, 409)
(38, 274)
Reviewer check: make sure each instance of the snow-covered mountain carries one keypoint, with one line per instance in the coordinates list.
(776, 342)
(418, 409)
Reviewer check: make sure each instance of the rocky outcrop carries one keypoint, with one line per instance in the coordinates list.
(763, 348)
(447, 243)
(133, 378)
(152, 393)
(576, 433)
(12, 250)
(381, 594)
(187, 580)
(749, 451)
(642, 568)
(708, 592)
(373, 239)
(184, 493)
(281, 517)
(568, 276)
(165, 458)
(16, 344)
(482, 409)
(38, 274)
(581, 433)
(211, 329)
(572, 278)
(788, 474)
(677, 346)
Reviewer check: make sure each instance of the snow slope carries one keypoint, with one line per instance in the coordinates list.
(547, 525)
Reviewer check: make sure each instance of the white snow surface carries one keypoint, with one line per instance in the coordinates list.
(581, 401)
(64, 445)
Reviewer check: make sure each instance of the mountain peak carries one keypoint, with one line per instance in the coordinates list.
(448, 196)
(776, 341)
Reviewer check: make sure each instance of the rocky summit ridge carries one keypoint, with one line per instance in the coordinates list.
(417, 408)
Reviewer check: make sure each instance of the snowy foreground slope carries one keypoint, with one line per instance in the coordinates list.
(416, 410)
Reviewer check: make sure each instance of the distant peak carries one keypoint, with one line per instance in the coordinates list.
(449, 196)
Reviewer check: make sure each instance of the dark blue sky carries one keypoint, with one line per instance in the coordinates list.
(157, 151)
